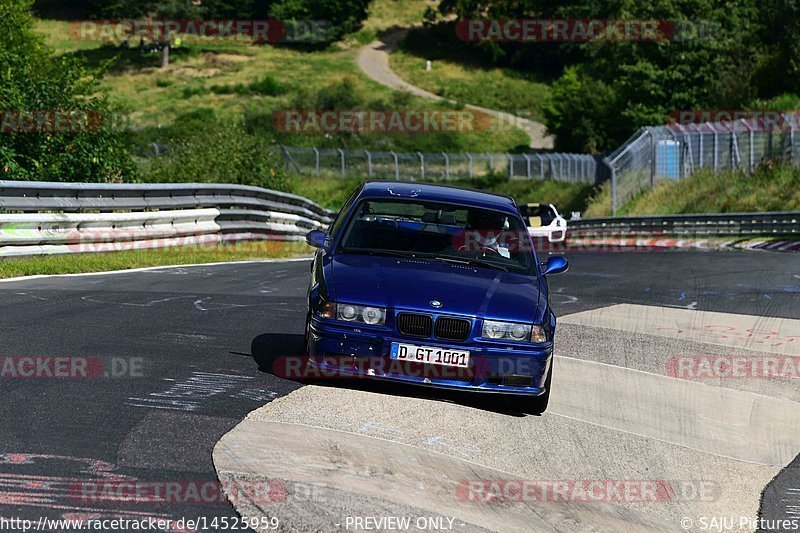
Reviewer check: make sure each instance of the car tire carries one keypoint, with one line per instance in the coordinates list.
(538, 404)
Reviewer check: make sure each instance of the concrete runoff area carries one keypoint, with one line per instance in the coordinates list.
(715, 447)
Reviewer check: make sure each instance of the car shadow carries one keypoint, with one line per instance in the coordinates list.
(271, 350)
(268, 348)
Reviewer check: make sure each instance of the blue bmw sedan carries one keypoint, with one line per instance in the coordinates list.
(433, 285)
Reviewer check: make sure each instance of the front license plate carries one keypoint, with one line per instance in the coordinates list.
(430, 355)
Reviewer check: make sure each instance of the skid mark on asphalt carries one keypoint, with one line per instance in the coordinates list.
(150, 303)
(193, 393)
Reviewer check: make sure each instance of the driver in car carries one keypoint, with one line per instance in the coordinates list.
(485, 231)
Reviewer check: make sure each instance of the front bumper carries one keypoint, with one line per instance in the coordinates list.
(494, 368)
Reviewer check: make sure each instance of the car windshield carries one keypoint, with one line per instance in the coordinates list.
(445, 232)
(540, 215)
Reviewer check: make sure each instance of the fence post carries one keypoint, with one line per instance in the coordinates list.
(469, 158)
(316, 161)
(421, 165)
(541, 166)
(791, 142)
(396, 166)
(699, 144)
(369, 163)
(491, 162)
(341, 153)
(446, 166)
(510, 166)
(560, 167)
(613, 186)
(528, 163)
(752, 146)
(716, 146)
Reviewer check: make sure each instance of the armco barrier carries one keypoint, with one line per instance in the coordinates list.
(53, 218)
(722, 225)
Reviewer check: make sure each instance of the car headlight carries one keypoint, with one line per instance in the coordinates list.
(374, 316)
(514, 331)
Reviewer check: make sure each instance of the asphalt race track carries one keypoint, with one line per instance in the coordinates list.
(179, 352)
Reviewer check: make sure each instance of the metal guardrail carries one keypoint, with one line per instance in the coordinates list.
(54, 218)
(723, 224)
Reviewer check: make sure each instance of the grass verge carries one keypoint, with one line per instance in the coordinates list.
(229, 77)
(127, 259)
(457, 75)
(772, 187)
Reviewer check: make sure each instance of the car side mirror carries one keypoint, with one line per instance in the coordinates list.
(555, 265)
(318, 239)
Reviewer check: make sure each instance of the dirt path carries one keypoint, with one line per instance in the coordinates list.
(373, 59)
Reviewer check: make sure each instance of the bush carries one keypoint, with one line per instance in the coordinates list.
(266, 86)
(210, 150)
(345, 16)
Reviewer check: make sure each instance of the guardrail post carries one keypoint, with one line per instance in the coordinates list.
(396, 166)
(316, 161)
(341, 153)
(528, 164)
(421, 165)
(446, 166)
(369, 163)
(469, 158)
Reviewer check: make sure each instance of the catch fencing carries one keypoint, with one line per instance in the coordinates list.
(438, 166)
(655, 154)
(39, 218)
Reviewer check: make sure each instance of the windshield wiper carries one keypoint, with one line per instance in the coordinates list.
(470, 261)
(390, 253)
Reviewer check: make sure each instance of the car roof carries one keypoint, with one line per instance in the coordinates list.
(438, 193)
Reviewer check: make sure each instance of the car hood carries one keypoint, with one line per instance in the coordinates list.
(413, 283)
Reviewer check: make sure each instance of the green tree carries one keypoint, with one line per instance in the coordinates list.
(32, 80)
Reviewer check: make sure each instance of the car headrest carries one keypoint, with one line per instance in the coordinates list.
(429, 218)
(447, 220)
(534, 222)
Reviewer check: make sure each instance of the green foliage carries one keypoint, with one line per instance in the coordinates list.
(202, 148)
(32, 80)
(265, 86)
(344, 16)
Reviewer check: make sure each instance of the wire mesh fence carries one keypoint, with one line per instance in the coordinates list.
(673, 152)
(441, 166)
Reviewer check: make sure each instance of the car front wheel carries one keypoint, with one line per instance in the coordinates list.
(538, 404)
